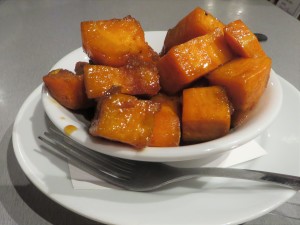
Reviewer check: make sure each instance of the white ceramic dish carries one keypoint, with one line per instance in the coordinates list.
(260, 118)
(203, 202)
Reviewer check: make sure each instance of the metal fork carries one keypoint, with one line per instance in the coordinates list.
(147, 176)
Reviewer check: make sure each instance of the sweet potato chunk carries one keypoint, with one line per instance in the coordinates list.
(187, 62)
(241, 39)
(136, 78)
(79, 67)
(99, 79)
(166, 130)
(112, 42)
(196, 23)
(125, 119)
(205, 114)
(67, 89)
(239, 117)
(244, 80)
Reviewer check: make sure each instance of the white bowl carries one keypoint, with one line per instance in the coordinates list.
(259, 119)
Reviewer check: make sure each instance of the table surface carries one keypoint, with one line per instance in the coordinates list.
(36, 34)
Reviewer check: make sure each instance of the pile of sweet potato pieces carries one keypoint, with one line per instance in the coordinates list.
(206, 79)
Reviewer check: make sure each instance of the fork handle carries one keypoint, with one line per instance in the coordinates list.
(245, 174)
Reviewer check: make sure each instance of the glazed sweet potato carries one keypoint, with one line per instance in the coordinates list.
(166, 129)
(136, 78)
(239, 117)
(79, 67)
(187, 62)
(205, 114)
(67, 89)
(98, 79)
(198, 22)
(244, 80)
(207, 79)
(241, 39)
(125, 119)
(112, 42)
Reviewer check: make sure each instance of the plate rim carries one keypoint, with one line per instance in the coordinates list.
(53, 196)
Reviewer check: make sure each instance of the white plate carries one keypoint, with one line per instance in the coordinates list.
(260, 118)
(203, 202)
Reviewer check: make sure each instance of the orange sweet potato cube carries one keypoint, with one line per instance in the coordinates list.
(244, 80)
(125, 119)
(205, 114)
(239, 117)
(166, 129)
(198, 22)
(187, 62)
(67, 89)
(112, 42)
(98, 79)
(136, 78)
(241, 39)
(79, 66)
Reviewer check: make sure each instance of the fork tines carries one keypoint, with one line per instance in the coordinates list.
(108, 168)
